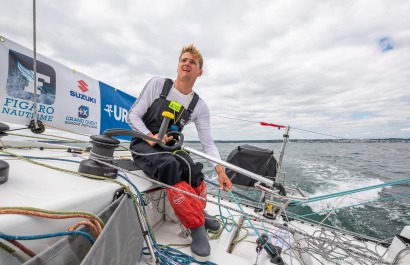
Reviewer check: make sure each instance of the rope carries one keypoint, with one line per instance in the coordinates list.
(86, 223)
(44, 158)
(18, 245)
(234, 192)
(252, 121)
(75, 133)
(50, 235)
(224, 222)
(7, 248)
(90, 176)
(177, 256)
(97, 223)
(56, 137)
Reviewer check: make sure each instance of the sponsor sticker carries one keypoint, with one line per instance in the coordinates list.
(25, 109)
(179, 198)
(81, 120)
(83, 112)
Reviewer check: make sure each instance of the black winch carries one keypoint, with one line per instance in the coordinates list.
(4, 171)
(273, 251)
(4, 166)
(103, 147)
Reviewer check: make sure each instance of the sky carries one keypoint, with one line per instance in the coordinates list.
(327, 69)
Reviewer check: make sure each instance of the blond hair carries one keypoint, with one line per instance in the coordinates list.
(194, 51)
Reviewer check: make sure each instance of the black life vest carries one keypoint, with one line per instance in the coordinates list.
(153, 117)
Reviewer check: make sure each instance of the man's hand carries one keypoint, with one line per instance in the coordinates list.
(164, 141)
(225, 183)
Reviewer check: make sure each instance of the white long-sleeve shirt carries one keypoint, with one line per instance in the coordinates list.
(200, 116)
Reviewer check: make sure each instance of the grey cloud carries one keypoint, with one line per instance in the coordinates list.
(310, 64)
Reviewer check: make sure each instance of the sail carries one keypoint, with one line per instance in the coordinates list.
(66, 99)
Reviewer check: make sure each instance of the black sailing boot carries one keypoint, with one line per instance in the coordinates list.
(211, 224)
(200, 248)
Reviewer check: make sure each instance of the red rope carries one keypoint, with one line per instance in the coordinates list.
(18, 245)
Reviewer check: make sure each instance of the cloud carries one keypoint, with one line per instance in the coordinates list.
(314, 65)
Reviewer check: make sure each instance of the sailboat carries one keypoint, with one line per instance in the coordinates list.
(66, 202)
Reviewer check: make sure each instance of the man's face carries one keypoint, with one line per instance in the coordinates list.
(188, 67)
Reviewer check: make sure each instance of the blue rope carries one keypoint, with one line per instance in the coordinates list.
(250, 222)
(170, 255)
(263, 226)
(333, 195)
(135, 188)
(223, 218)
(50, 235)
(234, 192)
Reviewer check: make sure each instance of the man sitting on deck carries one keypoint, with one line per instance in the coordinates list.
(178, 97)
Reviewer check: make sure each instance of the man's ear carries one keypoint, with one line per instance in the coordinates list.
(200, 72)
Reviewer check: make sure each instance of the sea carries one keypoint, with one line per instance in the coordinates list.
(322, 168)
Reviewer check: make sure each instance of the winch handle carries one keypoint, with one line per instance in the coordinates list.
(164, 125)
(163, 129)
(161, 134)
(126, 132)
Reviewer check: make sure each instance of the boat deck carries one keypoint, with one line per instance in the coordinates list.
(46, 178)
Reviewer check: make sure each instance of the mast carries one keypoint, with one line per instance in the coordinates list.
(35, 65)
(282, 151)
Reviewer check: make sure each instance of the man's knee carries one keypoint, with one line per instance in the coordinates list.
(169, 171)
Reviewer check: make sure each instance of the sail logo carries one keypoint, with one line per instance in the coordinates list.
(82, 97)
(25, 109)
(118, 113)
(21, 79)
(81, 120)
(82, 85)
(83, 112)
(29, 75)
(114, 108)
